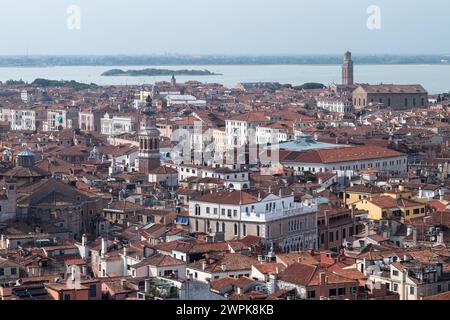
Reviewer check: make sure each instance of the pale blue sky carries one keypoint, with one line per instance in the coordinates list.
(224, 26)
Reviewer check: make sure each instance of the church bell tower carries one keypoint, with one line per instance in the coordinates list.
(149, 156)
(347, 69)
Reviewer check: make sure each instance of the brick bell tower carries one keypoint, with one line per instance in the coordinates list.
(149, 156)
(347, 69)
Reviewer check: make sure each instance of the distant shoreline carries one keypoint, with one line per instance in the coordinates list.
(216, 60)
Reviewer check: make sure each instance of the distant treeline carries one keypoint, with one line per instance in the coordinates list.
(117, 60)
(63, 83)
(157, 72)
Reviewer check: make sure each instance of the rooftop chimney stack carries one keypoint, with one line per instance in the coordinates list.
(104, 248)
(84, 240)
(147, 285)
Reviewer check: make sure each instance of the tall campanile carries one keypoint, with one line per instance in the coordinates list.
(347, 69)
(149, 156)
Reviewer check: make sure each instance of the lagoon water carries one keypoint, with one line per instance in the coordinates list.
(435, 78)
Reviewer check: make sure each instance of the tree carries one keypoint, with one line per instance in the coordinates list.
(310, 85)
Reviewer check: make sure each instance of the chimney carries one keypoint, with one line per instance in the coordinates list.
(104, 248)
(124, 251)
(408, 231)
(367, 230)
(72, 276)
(440, 238)
(323, 278)
(272, 285)
(415, 236)
(441, 194)
(147, 285)
(84, 240)
(203, 265)
(224, 267)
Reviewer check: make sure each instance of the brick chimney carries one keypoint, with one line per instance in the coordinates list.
(323, 278)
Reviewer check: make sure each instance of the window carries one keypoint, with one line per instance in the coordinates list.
(332, 293)
(341, 291)
(311, 294)
(395, 287)
(92, 291)
(67, 297)
(395, 273)
(235, 229)
(258, 232)
(330, 237)
(207, 210)
(2, 272)
(353, 290)
(411, 290)
(223, 212)
(229, 212)
(215, 210)
(244, 230)
(235, 213)
(13, 271)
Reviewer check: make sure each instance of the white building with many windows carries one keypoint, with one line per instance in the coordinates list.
(337, 105)
(276, 218)
(19, 119)
(116, 125)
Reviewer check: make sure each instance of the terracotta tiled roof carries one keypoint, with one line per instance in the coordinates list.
(339, 154)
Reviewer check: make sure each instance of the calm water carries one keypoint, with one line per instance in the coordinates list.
(435, 78)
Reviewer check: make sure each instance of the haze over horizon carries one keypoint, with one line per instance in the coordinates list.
(227, 27)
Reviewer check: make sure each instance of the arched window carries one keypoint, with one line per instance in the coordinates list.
(145, 144)
(235, 229)
(151, 144)
(223, 227)
(217, 226)
(244, 230)
(258, 231)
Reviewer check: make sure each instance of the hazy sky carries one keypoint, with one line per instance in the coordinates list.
(223, 26)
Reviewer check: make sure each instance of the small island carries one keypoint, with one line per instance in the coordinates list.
(157, 72)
